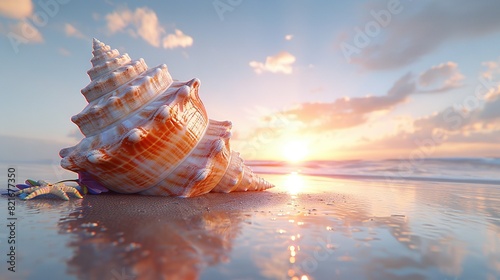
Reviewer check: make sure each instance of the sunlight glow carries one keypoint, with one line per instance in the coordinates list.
(295, 151)
(294, 183)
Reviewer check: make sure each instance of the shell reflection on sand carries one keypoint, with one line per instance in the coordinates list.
(329, 228)
(150, 245)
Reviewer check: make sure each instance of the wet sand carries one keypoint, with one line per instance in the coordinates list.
(306, 228)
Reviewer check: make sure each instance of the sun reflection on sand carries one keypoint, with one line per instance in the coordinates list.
(294, 183)
(419, 216)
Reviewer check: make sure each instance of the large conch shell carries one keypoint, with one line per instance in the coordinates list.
(147, 134)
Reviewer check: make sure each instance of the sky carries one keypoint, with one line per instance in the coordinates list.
(300, 80)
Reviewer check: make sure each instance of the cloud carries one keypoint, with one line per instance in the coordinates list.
(24, 32)
(469, 129)
(280, 63)
(288, 37)
(118, 20)
(148, 26)
(64, 52)
(345, 118)
(350, 112)
(21, 32)
(492, 69)
(142, 22)
(445, 75)
(450, 127)
(484, 113)
(410, 36)
(490, 112)
(179, 39)
(492, 94)
(71, 31)
(17, 9)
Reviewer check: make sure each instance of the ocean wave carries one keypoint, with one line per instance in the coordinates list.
(460, 170)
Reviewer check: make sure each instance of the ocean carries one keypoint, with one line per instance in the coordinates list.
(456, 170)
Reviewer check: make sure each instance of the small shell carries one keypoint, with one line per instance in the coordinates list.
(148, 134)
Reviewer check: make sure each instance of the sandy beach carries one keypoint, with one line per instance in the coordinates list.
(308, 227)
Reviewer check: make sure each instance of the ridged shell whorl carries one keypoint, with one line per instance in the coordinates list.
(147, 134)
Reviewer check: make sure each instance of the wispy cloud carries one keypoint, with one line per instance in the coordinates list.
(25, 32)
(142, 22)
(71, 31)
(492, 69)
(351, 112)
(20, 30)
(410, 36)
(462, 121)
(178, 39)
(473, 128)
(492, 94)
(449, 128)
(64, 52)
(443, 77)
(17, 9)
(280, 63)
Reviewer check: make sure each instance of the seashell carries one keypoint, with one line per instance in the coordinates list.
(146, 133)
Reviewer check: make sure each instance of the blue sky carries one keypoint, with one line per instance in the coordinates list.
(323, 79)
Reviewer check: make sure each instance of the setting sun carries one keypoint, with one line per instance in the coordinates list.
(295, 151)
